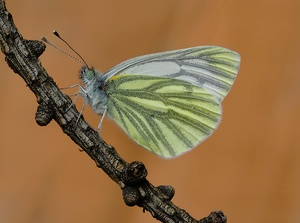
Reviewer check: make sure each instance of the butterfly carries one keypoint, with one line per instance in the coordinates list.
(167, 102)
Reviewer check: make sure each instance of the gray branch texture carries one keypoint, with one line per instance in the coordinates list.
(21, 56)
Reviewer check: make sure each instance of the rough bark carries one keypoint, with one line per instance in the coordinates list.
(22, 57)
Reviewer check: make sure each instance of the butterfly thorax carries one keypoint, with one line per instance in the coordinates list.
(93, 90)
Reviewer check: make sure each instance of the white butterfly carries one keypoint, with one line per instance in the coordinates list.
(167, 102)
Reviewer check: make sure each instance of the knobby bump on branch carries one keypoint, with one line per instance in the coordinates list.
(22, 57)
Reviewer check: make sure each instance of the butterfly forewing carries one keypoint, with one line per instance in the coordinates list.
(213, 68)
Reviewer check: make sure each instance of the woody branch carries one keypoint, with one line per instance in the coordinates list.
(22, 57)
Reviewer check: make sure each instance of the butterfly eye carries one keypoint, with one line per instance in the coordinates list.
(87, 74)
(90, 74)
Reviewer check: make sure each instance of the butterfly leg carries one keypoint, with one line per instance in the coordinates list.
(77, 94)
(81, 92)
(75, 99)
(72, 86)
(80, 114)
(102, 118)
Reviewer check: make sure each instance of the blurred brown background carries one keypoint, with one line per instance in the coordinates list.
(249, 168)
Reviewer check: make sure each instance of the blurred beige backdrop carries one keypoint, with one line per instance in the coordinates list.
(249, 167)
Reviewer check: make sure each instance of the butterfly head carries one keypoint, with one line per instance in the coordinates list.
(87, 75)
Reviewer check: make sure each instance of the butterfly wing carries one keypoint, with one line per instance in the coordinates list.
(169, 102)
(164, 115)
(211, 67)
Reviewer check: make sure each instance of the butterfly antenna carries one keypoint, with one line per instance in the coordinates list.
(80, 59)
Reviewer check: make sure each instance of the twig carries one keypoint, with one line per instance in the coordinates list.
(22, 57)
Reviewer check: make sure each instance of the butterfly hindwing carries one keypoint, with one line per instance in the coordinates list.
(167, 116)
